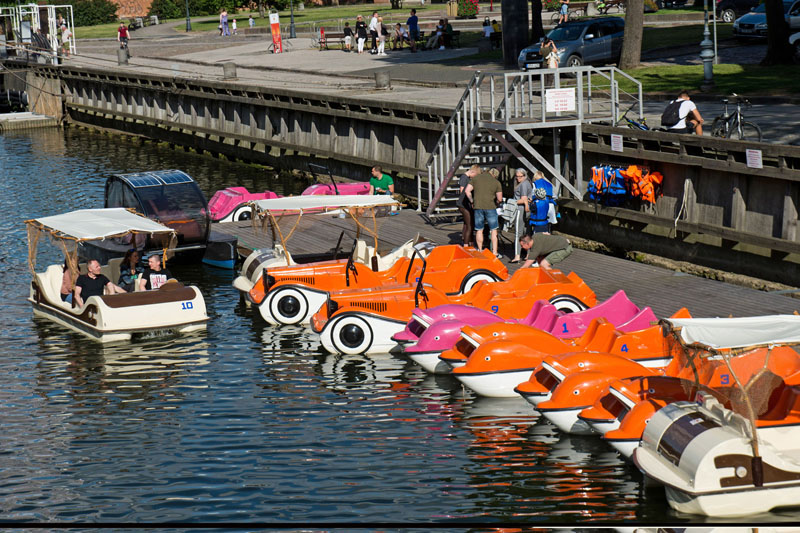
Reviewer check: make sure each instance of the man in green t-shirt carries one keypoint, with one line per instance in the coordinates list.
(485, 193)
(546, 249)
(380, 183)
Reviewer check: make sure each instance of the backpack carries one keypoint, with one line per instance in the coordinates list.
(672, 114)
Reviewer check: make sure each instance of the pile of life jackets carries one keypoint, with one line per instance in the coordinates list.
(613, 186)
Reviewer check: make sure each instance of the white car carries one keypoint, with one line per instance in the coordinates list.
(794, 40)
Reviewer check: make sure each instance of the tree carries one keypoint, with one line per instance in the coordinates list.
(631, 54)
(537, 31)
(779, 51)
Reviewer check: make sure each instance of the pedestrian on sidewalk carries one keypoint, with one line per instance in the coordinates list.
(564, 11)
(361, 33)
(413, 26)
(348, 37)
(373, 31)
(251, 22)
(223, 21)
(122, 35)
(381, 37)
(233, 27)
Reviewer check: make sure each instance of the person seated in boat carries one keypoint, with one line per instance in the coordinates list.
(92, 284)
(380, 183)
(130, 270)
(154, 275)
(545, 249)
(66, 284)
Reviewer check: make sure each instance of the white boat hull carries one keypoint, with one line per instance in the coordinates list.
(567, 421)
(495, 384)
(430, 362)
(354, 333)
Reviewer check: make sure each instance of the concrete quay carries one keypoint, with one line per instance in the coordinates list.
(431, 78)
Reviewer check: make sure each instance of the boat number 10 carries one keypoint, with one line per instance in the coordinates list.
(186, 305)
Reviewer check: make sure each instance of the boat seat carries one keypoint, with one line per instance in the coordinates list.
(50, 282)
(642, 320)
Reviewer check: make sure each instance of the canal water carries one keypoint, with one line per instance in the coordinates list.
(249, 423)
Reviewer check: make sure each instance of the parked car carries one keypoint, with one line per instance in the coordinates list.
(589, 41)
(754, 24)
(794, 40)
(730, 10)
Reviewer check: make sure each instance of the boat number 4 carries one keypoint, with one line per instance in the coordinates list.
(186, 305)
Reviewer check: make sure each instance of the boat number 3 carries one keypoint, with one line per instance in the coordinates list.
(186, 305)
(495, 309)
(624, 348)
(725, 379)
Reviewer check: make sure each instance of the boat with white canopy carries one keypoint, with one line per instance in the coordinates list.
(734, 450)
(110, 317)
(282, 217)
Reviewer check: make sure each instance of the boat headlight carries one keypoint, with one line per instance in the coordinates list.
(269, 281)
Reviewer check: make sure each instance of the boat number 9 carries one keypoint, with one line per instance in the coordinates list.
(495, 309)
(417, 280)
(624, 348)
(725, 379)
(186, 305)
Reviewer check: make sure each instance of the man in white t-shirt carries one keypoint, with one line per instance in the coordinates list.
(373, 31)
(690, 119)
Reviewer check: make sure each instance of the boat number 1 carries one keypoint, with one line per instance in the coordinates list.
(495, 309)
(565, 329)
(186, 305)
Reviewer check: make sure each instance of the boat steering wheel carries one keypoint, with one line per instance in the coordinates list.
(351, 264)
(420, 289)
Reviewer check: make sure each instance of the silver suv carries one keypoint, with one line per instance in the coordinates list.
(582, 42)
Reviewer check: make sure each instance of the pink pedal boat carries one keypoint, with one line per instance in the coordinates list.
(439, 328)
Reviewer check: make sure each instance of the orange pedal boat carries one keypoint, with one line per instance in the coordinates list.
(364, 320)
(291, 294)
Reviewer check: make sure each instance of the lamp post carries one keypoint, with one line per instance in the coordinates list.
(292, 33)
(707, 54)
(188, 20)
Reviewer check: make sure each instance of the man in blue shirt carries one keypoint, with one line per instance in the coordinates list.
(413, 25)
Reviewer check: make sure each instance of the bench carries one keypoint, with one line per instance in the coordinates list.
(331, 37)
(496, 38)
(453, 40)
(617, 5)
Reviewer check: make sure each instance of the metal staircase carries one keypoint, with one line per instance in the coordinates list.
(497, 114)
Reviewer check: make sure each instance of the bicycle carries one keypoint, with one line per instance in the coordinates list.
(733, 125)
(633, 124)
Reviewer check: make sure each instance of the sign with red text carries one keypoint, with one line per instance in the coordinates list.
(557, 100)
(275, 28)
(616, 142)
(754, 158)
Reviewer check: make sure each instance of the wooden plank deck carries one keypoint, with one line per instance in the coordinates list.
(664, 290)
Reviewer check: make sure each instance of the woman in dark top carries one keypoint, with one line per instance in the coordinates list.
(361, 33)
(130, 270)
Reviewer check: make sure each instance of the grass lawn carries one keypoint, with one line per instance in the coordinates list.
(751, 80)
(681, 35)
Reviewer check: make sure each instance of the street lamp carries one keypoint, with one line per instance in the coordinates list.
(707, 54)
(188, 20)
(292, 33)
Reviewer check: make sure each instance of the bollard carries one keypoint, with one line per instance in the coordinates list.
(122, 56)
(228, 71)
(383, 80)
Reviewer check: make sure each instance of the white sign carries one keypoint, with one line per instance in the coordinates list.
(560, 100)
(616, 142)
(754, 158)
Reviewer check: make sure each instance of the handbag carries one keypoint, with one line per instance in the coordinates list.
(552, 60)
(507, 212)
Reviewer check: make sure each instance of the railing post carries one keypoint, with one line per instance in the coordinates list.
(491, 97)
(430, 186)
(419, 192)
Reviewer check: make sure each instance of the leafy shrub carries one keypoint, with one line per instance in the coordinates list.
(467, 8)
(168, 9)
(551, 5)
(93, 12)
(650, 6)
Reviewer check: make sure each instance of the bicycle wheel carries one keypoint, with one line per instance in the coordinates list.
(572, 15)
(554, 18)
(719, 128)
(748, 132)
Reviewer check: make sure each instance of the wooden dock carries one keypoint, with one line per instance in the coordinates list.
(664, 290)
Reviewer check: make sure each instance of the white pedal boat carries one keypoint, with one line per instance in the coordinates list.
(174, 308)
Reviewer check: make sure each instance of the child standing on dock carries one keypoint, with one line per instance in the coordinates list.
(233, 26)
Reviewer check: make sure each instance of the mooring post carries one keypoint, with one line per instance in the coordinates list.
(122, 56)
(229, 71)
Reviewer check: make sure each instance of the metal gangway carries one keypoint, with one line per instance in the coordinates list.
(498, 113)
(35, 29)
